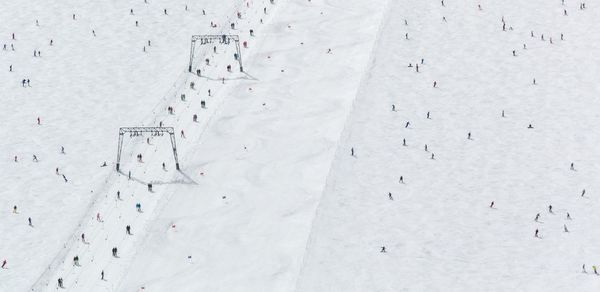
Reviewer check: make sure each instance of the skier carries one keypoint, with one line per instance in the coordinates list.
(432, 156)
(568, 216)
(62, 150)
(35, 158)
(352, 151)
(76, 261)
(595, 271)
(425, 147)
(530, 126)
(57, 171)
(114, 252)
(164, 166)
(10, 68)
(195, 118)
(182, 134)
(165, 10)
(15, 209)
(83, 237)
(536, 233)
(138, 206)
(572, 166)
(128, 230)
(534, 81)
(393, 107)
(30, 223)
(403, 142)
(583, 192)
(427, 115)
(129, 175)
(4, 264)
(537, 217)
(401, 179)
(383, 249)
(98, 217)
(65, 178)
(565, 228)
(583, 269)
(390, 196)
(550, 208)
(434, 84)
(16, 160)
(60, 280)
(469, 136)
(407, 124)
(492, 204)
(503, 113)
(102, 275)
(118, 195)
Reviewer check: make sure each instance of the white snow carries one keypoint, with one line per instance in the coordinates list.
(268, 197)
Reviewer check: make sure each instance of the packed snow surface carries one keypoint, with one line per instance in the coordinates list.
(383, 145)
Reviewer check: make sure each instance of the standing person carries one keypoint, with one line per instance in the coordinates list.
(390, 196)
(352, 151)
(4, 264)
(128, 230)
(30, 223)
(60, 283)
(102, 275)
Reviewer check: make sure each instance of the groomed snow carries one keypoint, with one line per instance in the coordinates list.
(269, 197)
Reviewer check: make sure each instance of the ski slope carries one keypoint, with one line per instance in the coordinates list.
(269, 197)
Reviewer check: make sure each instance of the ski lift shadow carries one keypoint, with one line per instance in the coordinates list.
(187, 180)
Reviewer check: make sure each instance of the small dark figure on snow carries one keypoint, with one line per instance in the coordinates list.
(352, 151)
(537, 217)
(390, 196)
(550, 208)
(492, 204)
(102, 275)
(60, 280)
(382, 249)
(128, 230)
(537, 233)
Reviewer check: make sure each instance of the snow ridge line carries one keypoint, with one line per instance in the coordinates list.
(344, 136)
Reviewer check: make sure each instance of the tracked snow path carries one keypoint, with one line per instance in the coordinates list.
(264, 156)
(439, 232)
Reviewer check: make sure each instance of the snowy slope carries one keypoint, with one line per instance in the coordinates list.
(439, 232)
(268, 197)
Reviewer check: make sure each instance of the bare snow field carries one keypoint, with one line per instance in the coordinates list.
(383, 145)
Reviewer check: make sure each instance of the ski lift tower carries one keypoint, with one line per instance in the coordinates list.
(207, 39)
(154, 131)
